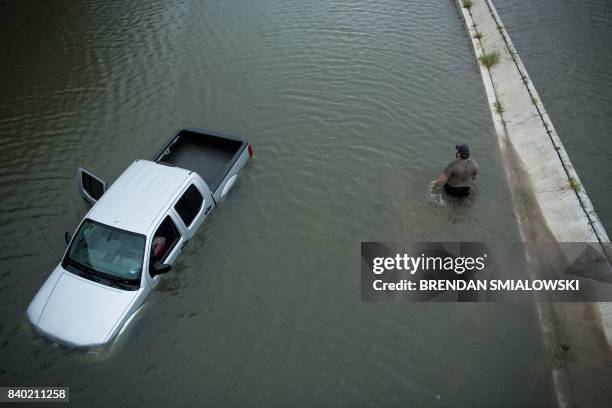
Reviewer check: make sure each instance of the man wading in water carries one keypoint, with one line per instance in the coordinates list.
(459, 173)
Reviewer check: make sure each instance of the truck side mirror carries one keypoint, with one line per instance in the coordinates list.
(67, 237)
(160, 269)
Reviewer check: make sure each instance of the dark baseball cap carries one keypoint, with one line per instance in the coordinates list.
(464, 150)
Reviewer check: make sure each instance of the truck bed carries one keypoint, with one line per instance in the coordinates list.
(210, 154)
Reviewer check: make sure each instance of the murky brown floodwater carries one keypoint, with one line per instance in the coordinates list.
(352, 107)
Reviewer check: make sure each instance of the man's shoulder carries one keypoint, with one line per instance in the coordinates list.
(451, 165)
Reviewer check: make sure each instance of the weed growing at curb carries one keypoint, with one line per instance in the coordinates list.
(489, 59)
(559, 354)
(499, 107)
(575, 185)
(527, 198)
(467, 4)
(478, 35)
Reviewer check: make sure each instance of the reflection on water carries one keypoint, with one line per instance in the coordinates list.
(352, 108)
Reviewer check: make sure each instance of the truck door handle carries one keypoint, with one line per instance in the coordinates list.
(184, 245)
(207, 210)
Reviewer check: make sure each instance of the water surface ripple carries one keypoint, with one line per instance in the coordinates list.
(353, 107)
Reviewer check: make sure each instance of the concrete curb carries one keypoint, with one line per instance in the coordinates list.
(583, 209)
(585, 201)
(538, 168)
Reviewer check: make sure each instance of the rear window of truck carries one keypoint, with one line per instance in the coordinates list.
(189, 205)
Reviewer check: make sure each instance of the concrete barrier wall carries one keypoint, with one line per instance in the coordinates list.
(564, 203)
(521, 121)
(546, 190)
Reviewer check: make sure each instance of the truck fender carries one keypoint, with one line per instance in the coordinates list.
(229, 185)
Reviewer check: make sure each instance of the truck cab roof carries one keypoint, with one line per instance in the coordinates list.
(137, 198)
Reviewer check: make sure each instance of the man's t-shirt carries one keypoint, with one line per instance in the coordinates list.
(461, 172)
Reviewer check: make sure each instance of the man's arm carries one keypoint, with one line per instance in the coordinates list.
(440, 180)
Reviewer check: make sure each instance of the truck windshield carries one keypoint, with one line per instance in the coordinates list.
(107, 252)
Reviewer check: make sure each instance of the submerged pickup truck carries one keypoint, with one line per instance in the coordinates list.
(133, 234)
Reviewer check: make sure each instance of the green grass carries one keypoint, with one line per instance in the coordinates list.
(575, 185)
(499, 107)
(468, 4)
(489, 59)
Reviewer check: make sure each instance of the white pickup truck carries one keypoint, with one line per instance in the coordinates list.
(133, 234)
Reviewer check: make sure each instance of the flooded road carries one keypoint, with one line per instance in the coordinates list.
(352, 110)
